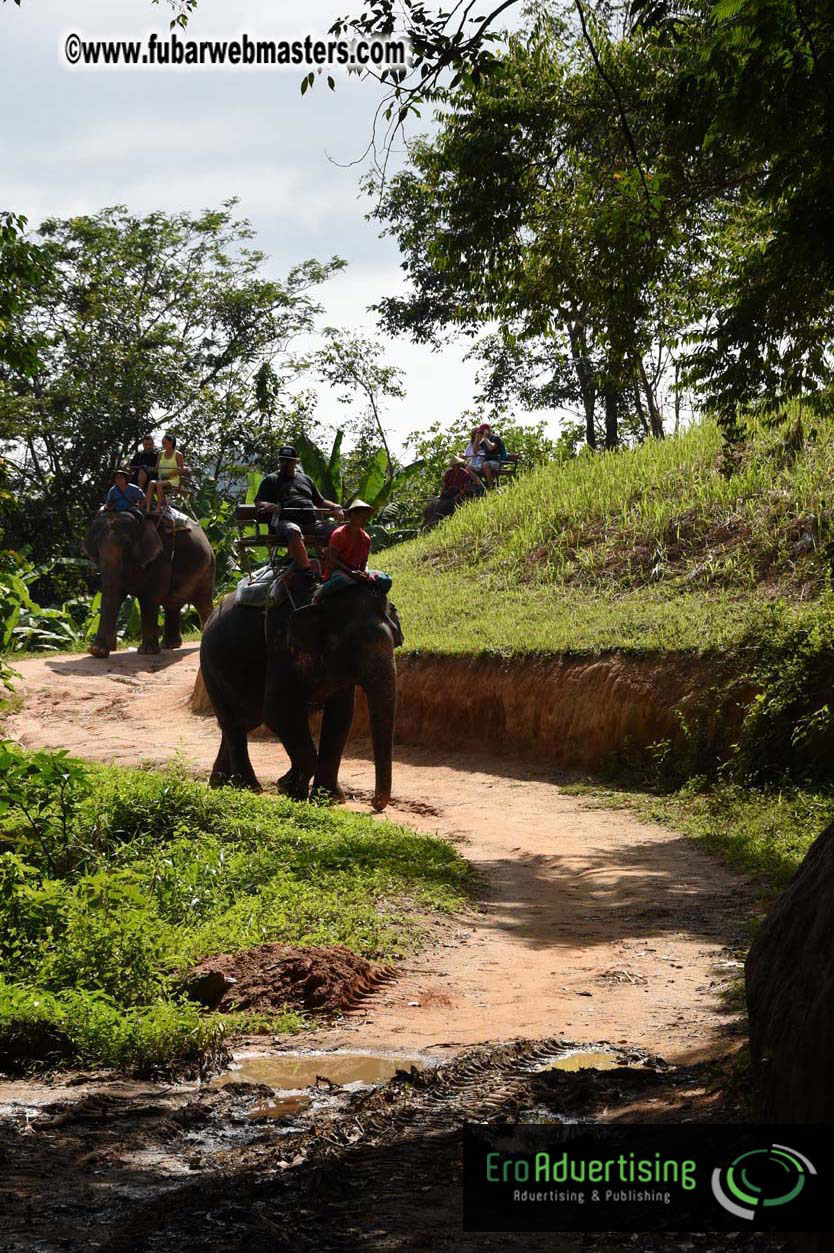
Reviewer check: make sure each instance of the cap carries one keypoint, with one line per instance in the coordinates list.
(359, 504)
(287, 453)
(125, 470)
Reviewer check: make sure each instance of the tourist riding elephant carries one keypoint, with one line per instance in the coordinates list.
(274, 667)
(168, 570)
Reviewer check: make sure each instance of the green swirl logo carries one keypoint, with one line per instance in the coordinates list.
(761, 1178)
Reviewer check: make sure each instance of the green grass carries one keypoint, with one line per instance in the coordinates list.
(152, 873)
(454, 612)
(653, 548)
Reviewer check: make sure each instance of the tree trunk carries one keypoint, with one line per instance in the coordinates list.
(655, 417)
(611, 395)
(640, 412)
(585, 377)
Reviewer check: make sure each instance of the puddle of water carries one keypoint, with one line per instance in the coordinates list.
(292, 1074)
(583, 1059)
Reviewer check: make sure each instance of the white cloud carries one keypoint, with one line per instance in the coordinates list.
(75, 142)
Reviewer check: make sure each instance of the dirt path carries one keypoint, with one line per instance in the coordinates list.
(591, 923)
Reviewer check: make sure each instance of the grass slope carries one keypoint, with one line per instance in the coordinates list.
(644, 549)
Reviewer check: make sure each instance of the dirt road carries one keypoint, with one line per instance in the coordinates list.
(591, 923)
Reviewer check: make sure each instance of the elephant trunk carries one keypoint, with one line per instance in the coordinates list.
(379, 683)
(111, 598)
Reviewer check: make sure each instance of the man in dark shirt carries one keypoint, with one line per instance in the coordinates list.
(293, 499)
(143, 465)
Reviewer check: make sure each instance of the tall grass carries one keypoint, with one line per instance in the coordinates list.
(663, 511)
(650, 548)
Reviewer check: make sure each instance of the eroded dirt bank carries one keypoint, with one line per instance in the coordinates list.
(589, 921)
(570, 712)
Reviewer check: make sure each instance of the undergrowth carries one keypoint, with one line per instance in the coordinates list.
(114, 882)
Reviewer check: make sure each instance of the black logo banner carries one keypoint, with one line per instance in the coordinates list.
(617, 1177)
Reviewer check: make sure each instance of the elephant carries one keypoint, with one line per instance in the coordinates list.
(274, 667)
(171, 570)
(435, 510)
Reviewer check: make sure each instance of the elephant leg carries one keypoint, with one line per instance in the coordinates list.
(290, 723)
(173, 636)
(150, 625)
(232, 766)
(335, 728)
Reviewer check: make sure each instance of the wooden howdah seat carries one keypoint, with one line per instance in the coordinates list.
(248, 516)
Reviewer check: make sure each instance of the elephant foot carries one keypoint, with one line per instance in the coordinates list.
(332, 795)
(292, 785)
(177, 643)
(216, 779)
(148, 648)
(98, 650)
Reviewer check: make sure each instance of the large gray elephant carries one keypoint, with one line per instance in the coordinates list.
(275, 667)
(171, 570)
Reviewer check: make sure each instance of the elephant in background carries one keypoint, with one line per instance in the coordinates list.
(170, 570)
(274, 668)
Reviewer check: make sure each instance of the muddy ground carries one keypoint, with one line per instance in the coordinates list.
(589, 926)
(211, 1170)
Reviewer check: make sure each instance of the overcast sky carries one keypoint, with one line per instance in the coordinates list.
(73, 141)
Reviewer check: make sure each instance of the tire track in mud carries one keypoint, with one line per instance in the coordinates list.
(385, 1172)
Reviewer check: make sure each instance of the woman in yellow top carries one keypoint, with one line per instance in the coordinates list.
(169, 468)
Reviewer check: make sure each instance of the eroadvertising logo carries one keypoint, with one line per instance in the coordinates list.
(761, 1177)
(613, 1177)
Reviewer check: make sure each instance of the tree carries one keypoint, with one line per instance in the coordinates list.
(522, 210)
(146, 320)
(352, 363)
(24, 274)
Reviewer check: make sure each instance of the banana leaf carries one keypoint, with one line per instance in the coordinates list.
(334, 470)
(373, 480)
(399, 480)
(314, 463)
(90, 627)
(253, 481)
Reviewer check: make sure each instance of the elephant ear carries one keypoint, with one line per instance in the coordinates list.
(148, 545)
(394, 623)
(306, 631)
(92, 539)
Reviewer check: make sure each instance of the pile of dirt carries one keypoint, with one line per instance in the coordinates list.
(270, 977)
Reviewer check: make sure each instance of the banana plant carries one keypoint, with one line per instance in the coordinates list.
(377, 485)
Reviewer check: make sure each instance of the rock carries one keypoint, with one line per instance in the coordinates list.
(790, 995)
